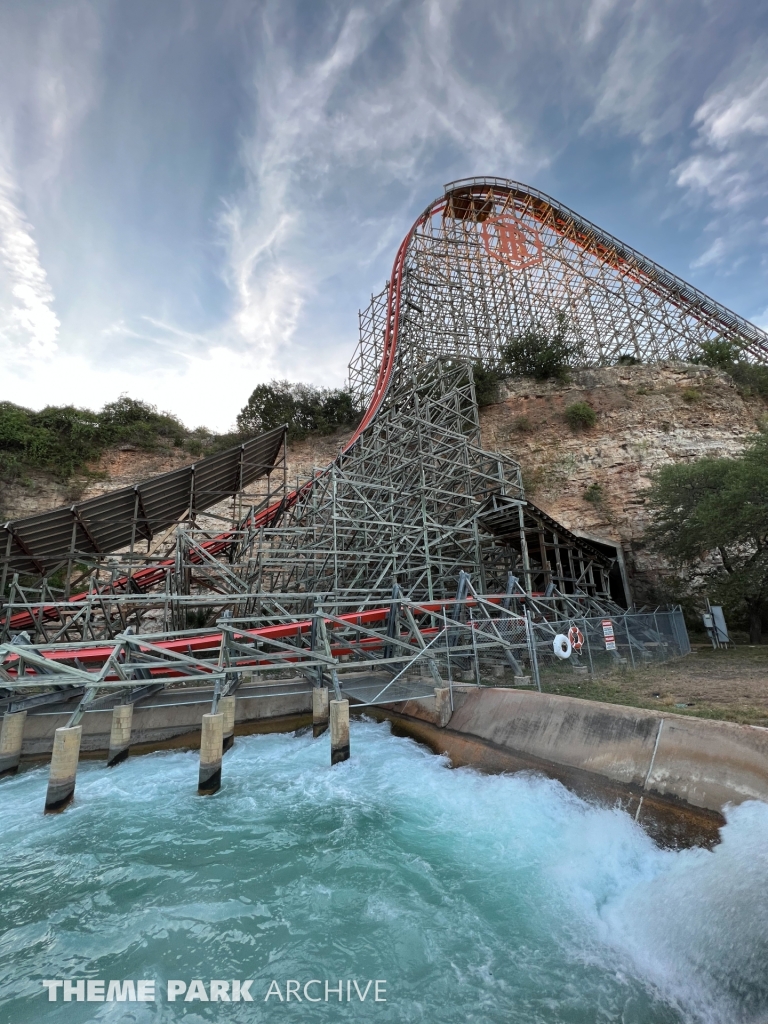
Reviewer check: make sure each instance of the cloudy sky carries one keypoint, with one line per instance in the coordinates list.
(198, 196)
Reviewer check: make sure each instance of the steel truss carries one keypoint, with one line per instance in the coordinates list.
(374, 653)
(493, 258)
(413, 501)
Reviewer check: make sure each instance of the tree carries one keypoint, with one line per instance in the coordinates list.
(269, 406)
(303, 407)
(750, 378)
(718, 508)
(537, 353)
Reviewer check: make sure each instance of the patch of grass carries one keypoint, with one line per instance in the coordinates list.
(691, 395)
(532, 480)
(700, 685)
(580, 416)
(522, 425)
(620, 690)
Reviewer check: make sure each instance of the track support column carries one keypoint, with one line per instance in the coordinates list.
(120, 736)
(11, 737)
(320, 712)
(339, 731)
(228, 708)
(211, 749)
(63, 773)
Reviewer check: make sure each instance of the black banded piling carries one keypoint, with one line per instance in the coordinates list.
(120, 735)
(320, 711)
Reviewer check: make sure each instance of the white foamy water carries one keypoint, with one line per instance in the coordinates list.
(478, 898)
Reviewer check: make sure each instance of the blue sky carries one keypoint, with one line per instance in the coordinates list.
(198, 196)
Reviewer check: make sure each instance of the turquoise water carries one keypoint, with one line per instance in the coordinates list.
(475, 898)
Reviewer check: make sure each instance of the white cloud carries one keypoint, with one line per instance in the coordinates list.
(740, 109)
(728, 165)
(28, 318)
(597, 14)
(635, 90)
(730, 161)
(314, 133)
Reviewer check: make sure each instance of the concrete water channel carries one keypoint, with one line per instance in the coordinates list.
(674, 773)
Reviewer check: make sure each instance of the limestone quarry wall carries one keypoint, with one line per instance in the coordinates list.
(647, 416)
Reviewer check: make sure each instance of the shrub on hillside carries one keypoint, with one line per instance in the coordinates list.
(721, 354)
(580, 416)
(538, 353)
(593, 493)
(62, 439)
(487, 380)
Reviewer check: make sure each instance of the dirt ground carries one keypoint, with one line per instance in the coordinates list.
(726, 684)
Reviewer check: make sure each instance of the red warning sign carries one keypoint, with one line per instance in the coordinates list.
(608, 635)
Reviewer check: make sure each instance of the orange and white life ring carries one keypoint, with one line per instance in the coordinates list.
(576, 637)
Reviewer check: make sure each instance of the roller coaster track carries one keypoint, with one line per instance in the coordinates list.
(478, 202)
(150, 576)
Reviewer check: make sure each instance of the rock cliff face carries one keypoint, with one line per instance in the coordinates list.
(119, 467)
(591, 480)
(125, 466)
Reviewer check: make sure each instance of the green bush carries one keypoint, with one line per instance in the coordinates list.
(522, 425)
(303, 407)
(749, 378)
(539, 354)
(487, 380)
(691, 395)
(594, 493)
(63, 439)
(625, 359)
(580, 416)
